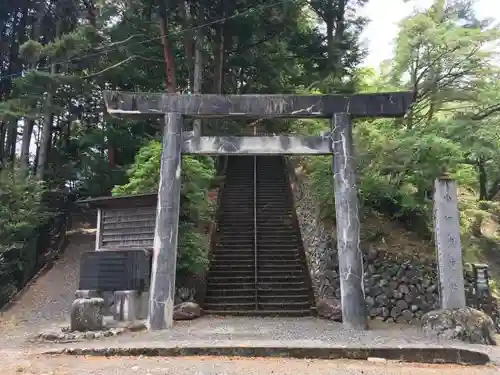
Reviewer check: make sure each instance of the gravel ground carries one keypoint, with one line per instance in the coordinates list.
(241, 366)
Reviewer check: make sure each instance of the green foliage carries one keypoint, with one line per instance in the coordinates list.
(21, 213)
(31, 51)
(443, 54)
(197, 176)
(144, 173)
(21, 217)
(193, 250)
(72, 44)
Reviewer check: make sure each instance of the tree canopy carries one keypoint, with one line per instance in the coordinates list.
(56, 57)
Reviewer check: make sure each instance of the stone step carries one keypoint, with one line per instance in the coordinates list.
(243, 250)
(230, 257)
(265, 267)
(232, 266)
(249, 298)
(264, 292)
(276, 285)
(287, 278)
(288, 305)
(281, 312)
(280, 284)
(232, 279)
(280, 299)
(241, 306)
(262, 272)
(214, 273)
(213, 285)
(214, 292)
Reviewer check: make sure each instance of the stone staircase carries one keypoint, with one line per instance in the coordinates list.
(258, 266)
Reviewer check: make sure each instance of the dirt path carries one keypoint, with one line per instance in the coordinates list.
(47, 300)
(227, 366)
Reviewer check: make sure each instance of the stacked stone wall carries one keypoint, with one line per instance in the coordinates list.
(398, 287)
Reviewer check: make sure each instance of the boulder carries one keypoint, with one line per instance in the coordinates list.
(465, 324)
(329, 308)
(187, 311)
(87, 314)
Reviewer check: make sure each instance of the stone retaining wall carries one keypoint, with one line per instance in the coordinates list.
(398, 288)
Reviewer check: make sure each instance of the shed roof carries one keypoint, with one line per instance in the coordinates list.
(123, 201)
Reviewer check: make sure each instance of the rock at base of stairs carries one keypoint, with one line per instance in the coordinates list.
(329, 308)
(465, 324)
(187, 311)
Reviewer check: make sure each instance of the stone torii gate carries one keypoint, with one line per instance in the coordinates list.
(340, 109)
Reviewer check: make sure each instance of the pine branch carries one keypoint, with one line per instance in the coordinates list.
(110, 67)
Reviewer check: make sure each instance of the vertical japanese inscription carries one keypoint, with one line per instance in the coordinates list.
(447, 237)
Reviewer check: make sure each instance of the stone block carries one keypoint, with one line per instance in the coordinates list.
(82, 293)
(329, 308)
(465, 324)
(143, 305)
(107, 296)
(109, 301)
(87, 314)
(127, 305)
(187, 311)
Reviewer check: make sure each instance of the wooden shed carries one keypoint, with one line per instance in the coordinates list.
(128, 223)
(124, 222)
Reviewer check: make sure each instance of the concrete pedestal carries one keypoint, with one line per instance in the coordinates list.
(127, 305)
(86, 314)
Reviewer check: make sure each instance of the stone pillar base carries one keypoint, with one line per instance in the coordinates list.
(87, 314)
(107, 296)
(82, 293)
(127, 305)
(143, 305)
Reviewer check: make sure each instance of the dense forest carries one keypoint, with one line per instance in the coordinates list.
(56, 57)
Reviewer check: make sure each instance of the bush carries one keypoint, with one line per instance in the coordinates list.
(20, 207)
(21, 216)
(198, 173)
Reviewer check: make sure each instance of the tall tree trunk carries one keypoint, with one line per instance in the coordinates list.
(3, 133)
(45, 138)
(330, 42)
(37, 153)
(91, 11)
(483, 180)
(188, 39)
(339, 35)
(10, 143)
(218, 51)
(111, 155)
(335, 20)
(92, 19)
(29, 124)
(15, 68)
(170, 84)
(219, 58)
(198, 64)
(28, 127)
(46, 131)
